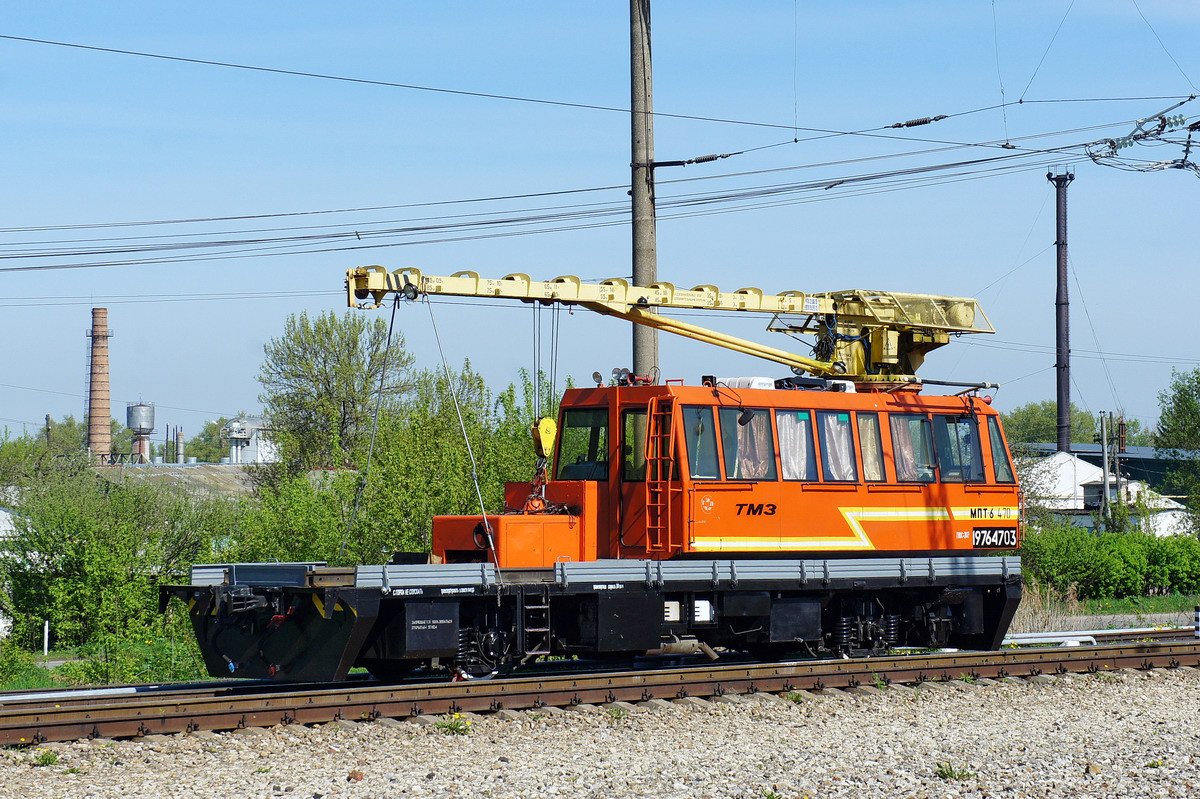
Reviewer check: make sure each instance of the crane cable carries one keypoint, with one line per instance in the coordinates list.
(362, 484)
(487, 527)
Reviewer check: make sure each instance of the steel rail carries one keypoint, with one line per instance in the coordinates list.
(130, 717)
(1147, 634)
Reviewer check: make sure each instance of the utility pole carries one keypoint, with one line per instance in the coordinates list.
(1062, 365)
(1104, 493)
(645, 258)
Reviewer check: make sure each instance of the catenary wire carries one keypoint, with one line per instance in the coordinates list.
(737, 195)
(1164, 46)
(1047, 51)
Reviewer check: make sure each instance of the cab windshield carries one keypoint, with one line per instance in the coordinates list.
(583, 445)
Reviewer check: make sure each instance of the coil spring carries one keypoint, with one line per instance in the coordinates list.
(891, 628)
(845, 630)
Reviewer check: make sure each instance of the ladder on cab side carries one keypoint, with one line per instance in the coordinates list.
(535, 607)
(659, 468)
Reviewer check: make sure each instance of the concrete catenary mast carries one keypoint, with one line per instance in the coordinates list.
(645, 264)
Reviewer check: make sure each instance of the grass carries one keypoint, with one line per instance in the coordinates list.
(455, 725)
(30, 679)
(617, 713)
(1045, 609)
(45, 757)
(949, 771)
(1139, 605)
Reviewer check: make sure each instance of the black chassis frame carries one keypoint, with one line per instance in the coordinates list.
(306, 622)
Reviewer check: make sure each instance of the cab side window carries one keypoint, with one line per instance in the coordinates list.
(1000, 461)
(872, 448)
(912, 448)
(748, 443)
(700, 437)
(796, 450)
(837, 446)
(958, 452)
(583, 445)
(633, 445)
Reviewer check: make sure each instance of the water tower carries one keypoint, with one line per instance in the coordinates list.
(139, 418)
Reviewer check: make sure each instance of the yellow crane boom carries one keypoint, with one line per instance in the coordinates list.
(867, 336)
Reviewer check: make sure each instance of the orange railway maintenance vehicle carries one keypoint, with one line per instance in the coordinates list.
(839, 509)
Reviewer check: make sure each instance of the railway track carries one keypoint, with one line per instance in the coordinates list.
(30, 720)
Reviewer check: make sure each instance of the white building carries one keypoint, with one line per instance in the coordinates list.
(1072, 488)
(249, 440)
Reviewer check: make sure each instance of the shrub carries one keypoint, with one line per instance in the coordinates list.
(1110, 565)
(19, 670)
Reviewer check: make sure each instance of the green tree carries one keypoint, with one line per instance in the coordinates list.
(420, 469)
(321, 380)
(1037, 422)
(88, 554)
(21, 456)
(1179, 413)
(1178, 434)
(121, 438)
(68, 436)
(205, 446)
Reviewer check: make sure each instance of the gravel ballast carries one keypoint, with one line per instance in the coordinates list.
(1126, 734)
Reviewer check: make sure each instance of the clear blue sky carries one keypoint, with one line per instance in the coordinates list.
(94, 140)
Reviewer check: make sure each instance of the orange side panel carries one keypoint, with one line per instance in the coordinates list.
(525, 541)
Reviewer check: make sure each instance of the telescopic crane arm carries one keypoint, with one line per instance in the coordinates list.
(865, 336)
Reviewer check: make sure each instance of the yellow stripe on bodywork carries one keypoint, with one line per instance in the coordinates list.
(741, 544)
(854, 520)
(856, 516)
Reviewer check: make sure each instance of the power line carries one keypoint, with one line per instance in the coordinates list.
(82, 396)
(566, 192)
(1048, 46)
(572, 218)
(1164, 47)
(1046, 349)
(409, 86)
(873, 132)
(128, 299)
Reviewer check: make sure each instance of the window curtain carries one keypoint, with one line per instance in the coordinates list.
(839, 446)
(872, 455)
(902, 449)
(756, 455)
(795, 446)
